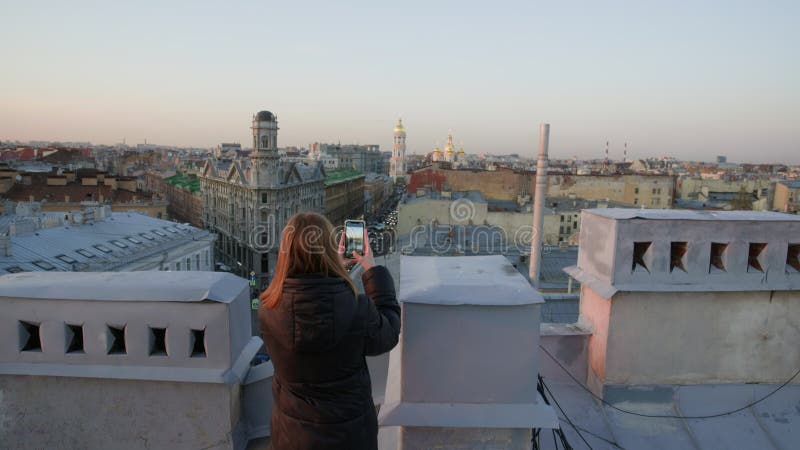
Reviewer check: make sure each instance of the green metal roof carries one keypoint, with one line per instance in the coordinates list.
(340, 175)
(184, 181)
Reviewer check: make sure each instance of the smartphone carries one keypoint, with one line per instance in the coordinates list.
(353, 237)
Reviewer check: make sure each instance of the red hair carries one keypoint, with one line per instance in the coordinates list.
(307, 246)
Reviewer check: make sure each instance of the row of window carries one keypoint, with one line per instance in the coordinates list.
(656, 191)
(188, 267)
(30, 339)
(718, 259)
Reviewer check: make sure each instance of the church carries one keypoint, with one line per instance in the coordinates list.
(450, 154)
(248, 200)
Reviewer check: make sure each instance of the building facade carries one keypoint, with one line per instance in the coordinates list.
(363, 158)
(650, 191)
(248, 201)
(397, 168)
(344, 195)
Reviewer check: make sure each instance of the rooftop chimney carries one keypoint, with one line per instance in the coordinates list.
(467, 357)
(538, 205)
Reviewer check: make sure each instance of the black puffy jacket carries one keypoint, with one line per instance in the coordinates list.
(317, 338)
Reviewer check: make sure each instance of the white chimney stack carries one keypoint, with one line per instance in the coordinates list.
(538, 205)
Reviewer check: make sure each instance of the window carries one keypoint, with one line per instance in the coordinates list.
(197, 262)
(264, 197)
(206, 258)
(636, 201)
(158, 341)
(14, 269)
(793, 258)
(188, 263)
(756, 259)
(67, 259)
(85, 253)
(159, 233)
(149, 237)
(677, 256)
(44, 265)
(197, 343)
(30, 339)
(655, 201)
(642, 254)
(74, 338)
(102, 248)
(719, 252)
(177, 266)
(171, 229)
(119, 244)
(115, 340)
(636, 190)
(133, 240)
(562, 218)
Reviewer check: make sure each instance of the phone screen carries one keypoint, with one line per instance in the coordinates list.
(354, 237)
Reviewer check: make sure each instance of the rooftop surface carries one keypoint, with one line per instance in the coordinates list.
(339, 175)
(464, 280)
(145, 286)
(773, 423)
(676, 214)
(119, 239)
(185, 181)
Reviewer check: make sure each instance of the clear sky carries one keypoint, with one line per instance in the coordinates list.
(688, 79)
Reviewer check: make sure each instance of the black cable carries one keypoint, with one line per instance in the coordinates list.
(669, 416)
(596, 435)
(564, 413)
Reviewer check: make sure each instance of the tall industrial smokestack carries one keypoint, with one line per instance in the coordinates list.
(625, 153)
(538, 205)
(606, 160)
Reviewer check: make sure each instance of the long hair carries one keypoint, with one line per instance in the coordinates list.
(308, 245)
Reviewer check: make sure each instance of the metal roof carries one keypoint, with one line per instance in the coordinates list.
(49, 243)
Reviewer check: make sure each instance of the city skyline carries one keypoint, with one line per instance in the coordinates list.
(690, 82)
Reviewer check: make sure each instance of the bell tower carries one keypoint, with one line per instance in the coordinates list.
(398, 161)
(265, 156)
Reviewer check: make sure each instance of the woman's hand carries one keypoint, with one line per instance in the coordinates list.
(340, 252)
(366, 260)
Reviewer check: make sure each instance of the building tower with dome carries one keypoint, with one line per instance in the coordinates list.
(248, 200)
(398, 161)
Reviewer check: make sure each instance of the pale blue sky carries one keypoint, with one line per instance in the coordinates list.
(679, 78)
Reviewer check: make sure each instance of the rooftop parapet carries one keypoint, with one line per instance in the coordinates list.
(467, 357)
(671, 250)
(143, 348)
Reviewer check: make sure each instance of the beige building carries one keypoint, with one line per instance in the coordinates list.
(470, 208)
(787, 196)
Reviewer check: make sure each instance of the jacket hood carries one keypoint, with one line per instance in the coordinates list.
(317, 312)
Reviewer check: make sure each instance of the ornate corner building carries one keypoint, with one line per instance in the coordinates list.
(247, 201)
